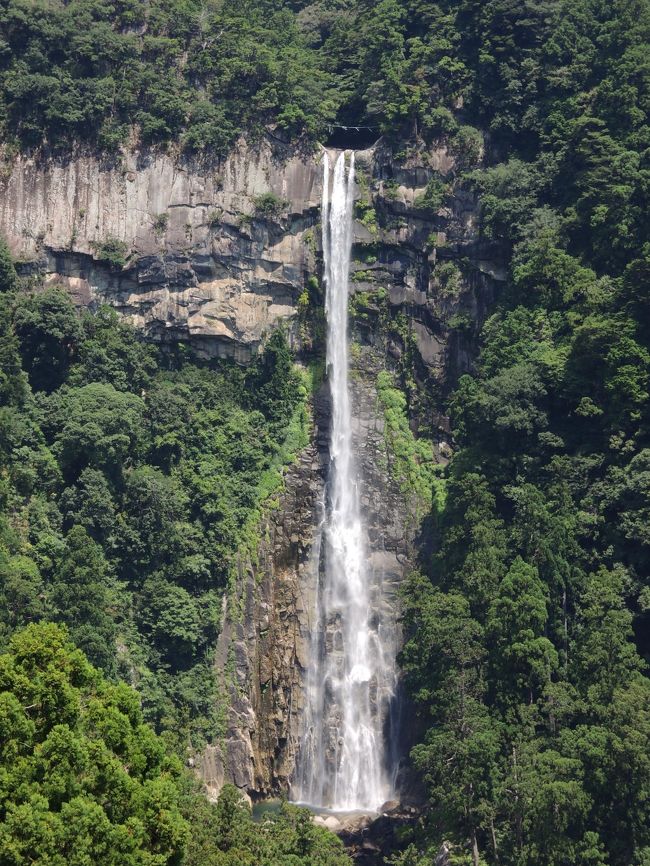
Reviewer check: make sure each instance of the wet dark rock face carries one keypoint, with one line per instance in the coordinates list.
(270, 618)
(371, 840)
(263, 647)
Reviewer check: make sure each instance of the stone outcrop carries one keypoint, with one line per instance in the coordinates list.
(370, 840)
(201, 263)
(208, 259)
(433, 264)
(263, 646)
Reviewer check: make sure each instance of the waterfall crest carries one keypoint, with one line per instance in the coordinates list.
(342, 764)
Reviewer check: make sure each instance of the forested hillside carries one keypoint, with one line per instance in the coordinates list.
(84, 780)
(130, 480)
(529, 625)
(130, 477)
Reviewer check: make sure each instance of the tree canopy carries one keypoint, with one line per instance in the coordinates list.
(130, 483)
(85, 780)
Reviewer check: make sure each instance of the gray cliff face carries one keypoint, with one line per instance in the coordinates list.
(206, 267)
(438, 273)
(199, 268)
(263, 647)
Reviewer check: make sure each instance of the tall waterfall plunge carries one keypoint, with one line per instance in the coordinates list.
(344, 758)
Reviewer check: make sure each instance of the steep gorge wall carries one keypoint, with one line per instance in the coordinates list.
(198, 267)
(263, 648)
(206, 267)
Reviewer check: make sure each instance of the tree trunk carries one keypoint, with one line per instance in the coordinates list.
(518, 817)
(475, 856)
(566, 629)
(494, 841)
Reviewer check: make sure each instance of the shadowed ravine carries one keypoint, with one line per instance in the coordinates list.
(344, 762)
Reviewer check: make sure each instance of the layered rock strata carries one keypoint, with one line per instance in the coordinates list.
(215, 254)
(218, 254)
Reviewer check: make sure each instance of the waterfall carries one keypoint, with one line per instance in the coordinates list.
(342, 763)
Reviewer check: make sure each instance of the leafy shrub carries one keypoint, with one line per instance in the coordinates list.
(113, 251)
(467, 146)
(214, 218)
(7, 269)
(367, 216)
(433, 197)
(269, 205)
(160, 223)
(449, 278)
(412, 462)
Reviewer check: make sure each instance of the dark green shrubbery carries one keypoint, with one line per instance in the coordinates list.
(92, 71)
(528, 635)
(86, 780)
(433, 197)
(269, 205)
(130, 483)
(113, 251)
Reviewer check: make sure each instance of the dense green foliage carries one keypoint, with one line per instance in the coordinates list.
(572, 76)
(129, 480)
(92, 70)
(228, 836)
(84, 780)
(411, 462)
(529, 624)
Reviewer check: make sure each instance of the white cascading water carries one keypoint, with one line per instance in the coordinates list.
(342, 763)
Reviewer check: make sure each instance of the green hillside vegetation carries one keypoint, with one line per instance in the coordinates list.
(129, 477)
(129, 480)
(83, 779)
(175, 70)
(529, 625)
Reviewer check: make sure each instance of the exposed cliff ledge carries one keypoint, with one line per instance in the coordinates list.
(205, 265)
(198, 266)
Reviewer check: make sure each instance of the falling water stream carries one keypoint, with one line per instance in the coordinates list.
(343, 764)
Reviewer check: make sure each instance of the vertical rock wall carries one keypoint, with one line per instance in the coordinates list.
(202, 259)
(264, 645)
